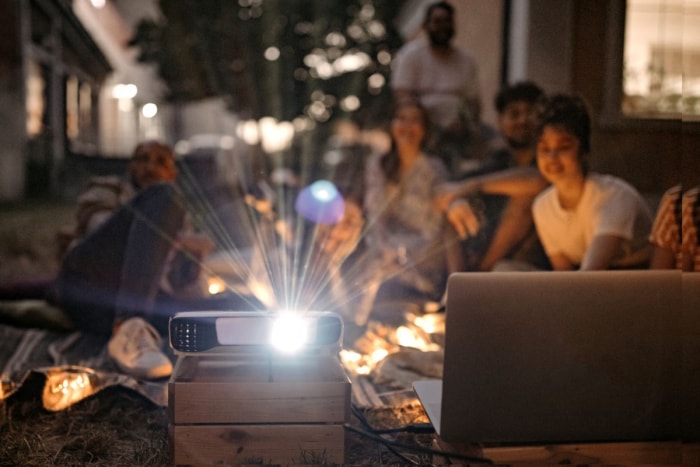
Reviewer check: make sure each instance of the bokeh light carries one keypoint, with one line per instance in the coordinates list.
(320, 202)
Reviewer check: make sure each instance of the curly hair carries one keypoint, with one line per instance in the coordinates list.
(522, 91)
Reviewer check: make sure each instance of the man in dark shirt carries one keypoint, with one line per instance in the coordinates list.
(490, 208)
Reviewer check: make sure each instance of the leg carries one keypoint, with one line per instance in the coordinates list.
(116, 270)
(514, 226)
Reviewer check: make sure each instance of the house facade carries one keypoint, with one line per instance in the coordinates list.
(70, 85)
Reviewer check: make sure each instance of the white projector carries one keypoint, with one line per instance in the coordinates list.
(225, 332)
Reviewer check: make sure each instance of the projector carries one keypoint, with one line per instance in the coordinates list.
(226, 332)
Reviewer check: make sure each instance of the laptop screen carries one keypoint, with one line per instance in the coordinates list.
(562, 356)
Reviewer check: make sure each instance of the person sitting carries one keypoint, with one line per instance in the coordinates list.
(130, 249)
(406, 227)
(674, 235)
(506, 183)
(402, 255)
(585, 220)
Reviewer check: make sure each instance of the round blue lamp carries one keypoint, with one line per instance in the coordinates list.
(320, 202)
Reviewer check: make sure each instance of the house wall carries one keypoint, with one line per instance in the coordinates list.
(549, 55)
(576, 46)
(12, 167)
(651, 154)
(479, 26)
(479, 29)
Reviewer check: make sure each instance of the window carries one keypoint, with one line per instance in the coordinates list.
(35, 99)
(661, 62)
(72, 115)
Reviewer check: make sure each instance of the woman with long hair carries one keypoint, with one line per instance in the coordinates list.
(404, 228)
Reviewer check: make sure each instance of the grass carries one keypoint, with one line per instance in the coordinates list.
(28, 237)
(114, 427)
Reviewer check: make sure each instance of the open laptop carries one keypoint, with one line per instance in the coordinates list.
(691, 356)
(536, 357)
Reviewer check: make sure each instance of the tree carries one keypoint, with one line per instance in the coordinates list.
(279, 58)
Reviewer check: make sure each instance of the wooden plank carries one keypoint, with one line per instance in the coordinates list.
(257, 369)
(364, 395)
(255, 444)
(358, 396)
(228, 391)
(260, 403)
(370, 392)
(627, 453)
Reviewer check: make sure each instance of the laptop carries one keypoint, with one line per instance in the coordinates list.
(691, 356)
(542, 357)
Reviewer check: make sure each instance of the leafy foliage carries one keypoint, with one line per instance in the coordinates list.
(318, 52)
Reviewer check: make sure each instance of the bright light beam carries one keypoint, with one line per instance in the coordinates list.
(290, 332)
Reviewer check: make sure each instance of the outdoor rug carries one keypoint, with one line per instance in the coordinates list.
(75, 365)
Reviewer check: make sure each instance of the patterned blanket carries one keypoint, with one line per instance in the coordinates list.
(75, 365)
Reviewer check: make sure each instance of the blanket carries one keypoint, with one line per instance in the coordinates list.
(75, 365)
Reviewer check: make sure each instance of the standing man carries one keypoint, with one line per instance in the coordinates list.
(444, 79)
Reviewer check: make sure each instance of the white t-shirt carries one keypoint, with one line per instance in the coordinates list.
(443, 84)
(608, 206)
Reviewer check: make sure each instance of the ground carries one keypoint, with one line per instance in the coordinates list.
(117, 427)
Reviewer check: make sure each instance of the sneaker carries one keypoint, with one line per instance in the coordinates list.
(135, 348)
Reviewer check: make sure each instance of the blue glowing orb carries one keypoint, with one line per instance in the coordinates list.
(320, 202)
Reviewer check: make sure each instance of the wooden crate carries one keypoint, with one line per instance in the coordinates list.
(247, 410)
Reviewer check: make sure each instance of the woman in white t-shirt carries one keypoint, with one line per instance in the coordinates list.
(585, 220)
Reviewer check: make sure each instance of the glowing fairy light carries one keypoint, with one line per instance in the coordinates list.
(379, 354)
(215, 285)
(320, 202)
(66, 386)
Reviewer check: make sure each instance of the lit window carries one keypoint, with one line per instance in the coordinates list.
(72, 116)
(661, 68)
(85, 105)
(36, 102)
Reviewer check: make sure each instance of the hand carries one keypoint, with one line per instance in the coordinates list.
(261, 205)
(446, 193)
(198, 244)
(463, 218)
(342, 237)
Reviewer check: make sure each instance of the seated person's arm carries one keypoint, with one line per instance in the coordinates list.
(560, 262)
(517, 181)
(513, 227)
(665, 233)
(198, 244)
(463, 218)
(601, 252)
(340, 239)
(662, 258)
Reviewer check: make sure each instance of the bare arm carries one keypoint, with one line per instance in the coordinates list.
(517, 181)
(601, 252)
(662, 258)
(560, 262)
(515, 224)
(463, 218)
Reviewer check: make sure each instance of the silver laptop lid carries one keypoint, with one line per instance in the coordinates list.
(570, 356)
